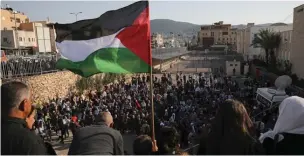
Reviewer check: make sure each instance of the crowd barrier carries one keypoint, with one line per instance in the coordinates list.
(21, 66)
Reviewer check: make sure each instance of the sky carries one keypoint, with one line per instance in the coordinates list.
(197, 12)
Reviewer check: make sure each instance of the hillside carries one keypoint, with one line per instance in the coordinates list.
(166, 26)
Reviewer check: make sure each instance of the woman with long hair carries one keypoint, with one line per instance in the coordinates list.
(232, 132)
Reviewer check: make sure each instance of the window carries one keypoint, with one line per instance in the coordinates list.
(236, 65)
(18, 20)
(225, 33)
(4, 28)
(29, 39)
(12, 19)
(4, 39)
(27, 20)
(231, 65)
(33, 39)
(23, 38)
(20, 38)
(212, 33)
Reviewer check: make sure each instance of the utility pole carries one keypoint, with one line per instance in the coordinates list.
(76, 14)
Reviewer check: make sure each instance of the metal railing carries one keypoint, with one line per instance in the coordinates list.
(27, 66)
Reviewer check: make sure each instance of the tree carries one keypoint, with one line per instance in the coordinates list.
(268, 40)
(263, 40)
(275, 42)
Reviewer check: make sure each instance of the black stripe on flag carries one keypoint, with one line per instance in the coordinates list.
(108, 23)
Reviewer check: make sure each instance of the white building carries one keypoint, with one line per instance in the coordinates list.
(283, 53)
(233, 68)
(245, 37)
(157, 40)
(22, 39)
(42, 34)
(43, 38)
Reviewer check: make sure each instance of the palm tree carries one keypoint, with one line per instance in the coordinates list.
(268, 40)
(263, 40)
(274, 45)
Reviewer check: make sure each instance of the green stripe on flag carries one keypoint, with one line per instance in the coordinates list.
(106, 60)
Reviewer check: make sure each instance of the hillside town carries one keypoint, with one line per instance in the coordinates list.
(105, 86)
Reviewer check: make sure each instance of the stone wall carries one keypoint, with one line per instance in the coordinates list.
(50, 85)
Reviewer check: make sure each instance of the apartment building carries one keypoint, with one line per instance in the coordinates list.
(157, 40)
(283, 53)
(11, 19)
(24, 39)
(297, 52)
(42, 34)
(30, 36)
(217, 33)
(245, 37)
(52, 34)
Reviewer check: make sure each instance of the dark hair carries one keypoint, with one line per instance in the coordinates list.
(142, 145)
(12, 94)
(232, 130)
(169, 140)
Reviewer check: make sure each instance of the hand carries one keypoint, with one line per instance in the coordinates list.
(154, 146)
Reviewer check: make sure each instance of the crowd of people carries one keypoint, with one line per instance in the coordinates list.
(218, 113)
(16, 67)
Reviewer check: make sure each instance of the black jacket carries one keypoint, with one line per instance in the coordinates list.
(17, 139)
(98, 139)
(292, 144)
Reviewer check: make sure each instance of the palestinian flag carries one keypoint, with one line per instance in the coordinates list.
(116, 42)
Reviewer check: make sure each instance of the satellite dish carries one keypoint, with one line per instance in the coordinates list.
(281, 84)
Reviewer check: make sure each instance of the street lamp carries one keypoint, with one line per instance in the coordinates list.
(76, 14)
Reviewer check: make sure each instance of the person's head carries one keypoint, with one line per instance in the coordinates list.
(232, 115)
(15, 100)
(143, 145)
(106, 118)
(169, 140)
(231, 122)
(291, 116)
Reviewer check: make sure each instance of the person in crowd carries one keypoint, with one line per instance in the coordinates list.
(17, 120)
(232, 132)
(169, 141)
(143, 145)
(189, 105)
(98, 139)
(287, 137)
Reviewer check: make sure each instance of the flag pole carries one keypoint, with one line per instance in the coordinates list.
(152, 101)
(151, 84)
